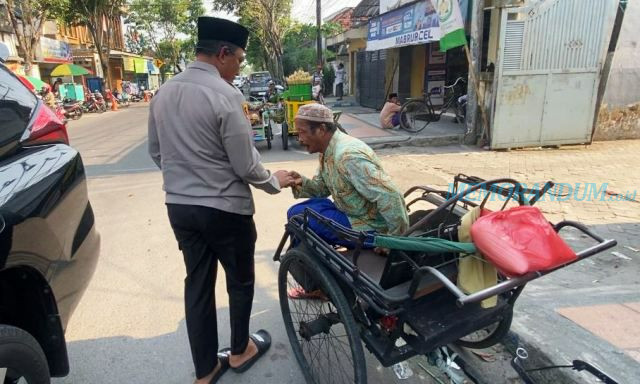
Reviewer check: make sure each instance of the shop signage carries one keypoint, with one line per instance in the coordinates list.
(413, 24)
(54, 51)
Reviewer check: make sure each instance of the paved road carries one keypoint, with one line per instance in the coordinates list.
(115, 143)
(130, 326)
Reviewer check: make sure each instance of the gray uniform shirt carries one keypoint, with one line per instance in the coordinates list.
(200, 137)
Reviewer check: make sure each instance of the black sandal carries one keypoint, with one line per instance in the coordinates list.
(223, 359)
(262, 340)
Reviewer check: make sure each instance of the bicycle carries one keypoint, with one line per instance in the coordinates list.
(416, 114)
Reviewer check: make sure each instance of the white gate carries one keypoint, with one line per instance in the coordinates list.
(549, 63)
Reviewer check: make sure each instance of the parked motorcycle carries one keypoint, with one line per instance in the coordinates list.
(72, 109)
(122, 98)
(95, 103)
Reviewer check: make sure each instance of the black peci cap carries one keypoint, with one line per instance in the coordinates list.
(215, 29)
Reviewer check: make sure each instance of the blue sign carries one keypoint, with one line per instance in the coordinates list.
(413, 24)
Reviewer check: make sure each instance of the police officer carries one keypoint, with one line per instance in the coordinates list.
(200, 138)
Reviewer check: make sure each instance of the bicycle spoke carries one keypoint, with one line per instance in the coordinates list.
(328, 354)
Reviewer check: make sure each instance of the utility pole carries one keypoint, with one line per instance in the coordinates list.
(473, 102)
(319, 37)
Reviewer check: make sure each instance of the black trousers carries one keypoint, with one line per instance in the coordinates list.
(340, 90)
(206, 236)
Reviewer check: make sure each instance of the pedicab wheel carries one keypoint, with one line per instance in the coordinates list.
(322, 330)
(285, 136)
(490, 335)
(267, 134)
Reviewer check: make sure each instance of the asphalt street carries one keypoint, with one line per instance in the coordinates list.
(130, 328)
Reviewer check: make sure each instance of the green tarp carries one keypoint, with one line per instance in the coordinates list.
(423, 244)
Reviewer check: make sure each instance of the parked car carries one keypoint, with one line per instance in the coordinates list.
(238, 81)
(49, 245)
(258, 83)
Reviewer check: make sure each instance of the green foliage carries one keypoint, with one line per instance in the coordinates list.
(27, 18)
(99, 17)
(267, 21)
(300, 46)
(160, 22)
(328, 76)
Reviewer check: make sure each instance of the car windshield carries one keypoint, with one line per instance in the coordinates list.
(260, 77)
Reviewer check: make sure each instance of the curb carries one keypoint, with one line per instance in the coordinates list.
(402, 140)
(518, 338)
(412, 141)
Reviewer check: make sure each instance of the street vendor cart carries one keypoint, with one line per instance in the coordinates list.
(298, 94)
(260, 126)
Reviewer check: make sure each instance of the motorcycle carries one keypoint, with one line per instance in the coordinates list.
(72, 109)
(122, 98)
(95, 103)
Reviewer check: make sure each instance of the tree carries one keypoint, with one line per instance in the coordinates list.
(299, 46)
(99, 16)
(267, 21)
(161, 21)
(27, 19)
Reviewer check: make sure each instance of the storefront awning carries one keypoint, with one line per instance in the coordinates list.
(141, 65)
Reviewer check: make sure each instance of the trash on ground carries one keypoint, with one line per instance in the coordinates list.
(621, 255)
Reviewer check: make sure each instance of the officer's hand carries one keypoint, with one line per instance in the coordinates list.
(297, 179)
(284, 178)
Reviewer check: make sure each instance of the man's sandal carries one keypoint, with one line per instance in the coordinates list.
(262, 340)
(223, 359)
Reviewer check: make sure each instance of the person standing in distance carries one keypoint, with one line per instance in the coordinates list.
(200, 139)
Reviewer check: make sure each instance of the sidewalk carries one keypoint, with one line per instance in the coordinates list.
(589, 310)
(444, 132)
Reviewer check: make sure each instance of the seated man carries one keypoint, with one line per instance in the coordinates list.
(390, 114)
(365, 199)
(351, 173)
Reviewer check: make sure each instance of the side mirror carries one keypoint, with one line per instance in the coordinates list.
(4, 52)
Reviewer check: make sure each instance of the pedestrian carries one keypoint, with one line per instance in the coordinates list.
(340, 79)
(317, 81)
(200, 138)
(56, 87)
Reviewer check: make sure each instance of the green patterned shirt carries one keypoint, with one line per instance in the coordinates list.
(351, 173)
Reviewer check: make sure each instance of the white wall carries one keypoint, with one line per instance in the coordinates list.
(623, 85)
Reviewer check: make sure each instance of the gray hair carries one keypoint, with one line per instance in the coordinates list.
(213, 47)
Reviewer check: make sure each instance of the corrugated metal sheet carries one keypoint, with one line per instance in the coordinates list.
(547, 76)
(565, 34)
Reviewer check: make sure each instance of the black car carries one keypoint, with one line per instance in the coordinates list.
(49, 246)
(259, 84)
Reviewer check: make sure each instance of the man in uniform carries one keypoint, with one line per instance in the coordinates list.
(200, 138)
